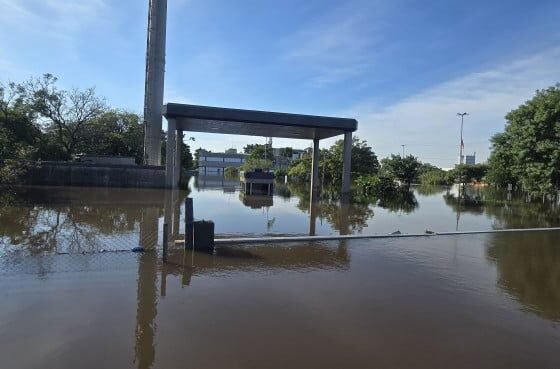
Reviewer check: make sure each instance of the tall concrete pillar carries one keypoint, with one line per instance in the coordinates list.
(346, 166)
(171, 148)
(314, 171)
(155, 74)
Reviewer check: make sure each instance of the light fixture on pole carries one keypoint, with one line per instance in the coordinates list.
(461, 145)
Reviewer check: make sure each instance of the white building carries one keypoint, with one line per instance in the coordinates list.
(215, 163)
(470, 159)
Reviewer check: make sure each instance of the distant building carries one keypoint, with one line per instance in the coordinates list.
(215, 163)
(470, 159)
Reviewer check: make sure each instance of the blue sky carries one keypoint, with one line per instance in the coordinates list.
(402, 68)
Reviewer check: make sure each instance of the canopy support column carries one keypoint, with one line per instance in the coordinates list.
(346, 166)
(170, 153)
(315, 171)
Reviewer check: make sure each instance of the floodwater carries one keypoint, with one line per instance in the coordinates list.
(73, 295)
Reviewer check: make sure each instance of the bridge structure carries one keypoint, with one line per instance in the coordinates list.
(195, 118)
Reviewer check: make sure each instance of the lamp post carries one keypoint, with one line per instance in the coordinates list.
(462, 115)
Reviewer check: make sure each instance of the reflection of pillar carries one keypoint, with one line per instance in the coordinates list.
(314, 171)
(343, 218)
(170, 153)
(178, 147)
(189, 219)
(312, 217)
(146, 311)
(176, 214)
(346, 166)
(149, 228)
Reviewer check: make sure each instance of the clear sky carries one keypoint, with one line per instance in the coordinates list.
(403, 68)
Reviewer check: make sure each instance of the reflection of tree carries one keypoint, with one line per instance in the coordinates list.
(528, 266)
(514, 213)
(403, 200)
(463, 205)
(282, 190)
(328, 208)
(426, 190)
(61, 228)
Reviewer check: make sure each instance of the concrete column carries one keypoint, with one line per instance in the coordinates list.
(155, 73)
(178, 147)
(346, 166)
(171, 147)
(314, 171)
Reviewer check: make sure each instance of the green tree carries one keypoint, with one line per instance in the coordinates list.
(405, 169)
(66, 112)
(364, 161)
(286, 152)
(527, 153)
(466, 173)
(435, 177)
(113, 132)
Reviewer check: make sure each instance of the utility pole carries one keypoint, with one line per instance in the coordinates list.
(403, 146)
(461, 145)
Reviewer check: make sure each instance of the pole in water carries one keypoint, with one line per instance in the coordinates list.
(165, 241)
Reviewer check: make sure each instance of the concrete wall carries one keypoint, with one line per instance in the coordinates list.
(93, 175)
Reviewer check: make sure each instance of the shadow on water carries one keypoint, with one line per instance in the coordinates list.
(528, 266)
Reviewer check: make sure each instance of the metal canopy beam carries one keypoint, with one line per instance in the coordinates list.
(207, 119)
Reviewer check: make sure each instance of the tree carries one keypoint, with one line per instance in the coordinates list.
(435, 177)
(363, 162)
(114, 132)
(466, 173)
(66, 111)
(286, 152)
(527, 153)
(257, 151)
(405, 169)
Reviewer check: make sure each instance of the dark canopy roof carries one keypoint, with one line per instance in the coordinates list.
(197, 118)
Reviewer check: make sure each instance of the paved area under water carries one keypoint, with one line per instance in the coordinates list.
(476, 301)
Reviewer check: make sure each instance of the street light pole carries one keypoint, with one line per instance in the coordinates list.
(462, 115)
(403, 150)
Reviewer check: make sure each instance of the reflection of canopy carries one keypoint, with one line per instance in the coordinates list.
(265, 257)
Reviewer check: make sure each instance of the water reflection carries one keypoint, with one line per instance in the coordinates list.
(528, 267)
(506, 210)
(256, 201)
(146, 311)
(187, 264)
(47, 220)
(342, 217)
(36, 220)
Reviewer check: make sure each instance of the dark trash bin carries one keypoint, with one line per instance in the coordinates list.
(203, 236)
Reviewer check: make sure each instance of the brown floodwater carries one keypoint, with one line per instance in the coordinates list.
(72, 295)
(477, 301)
